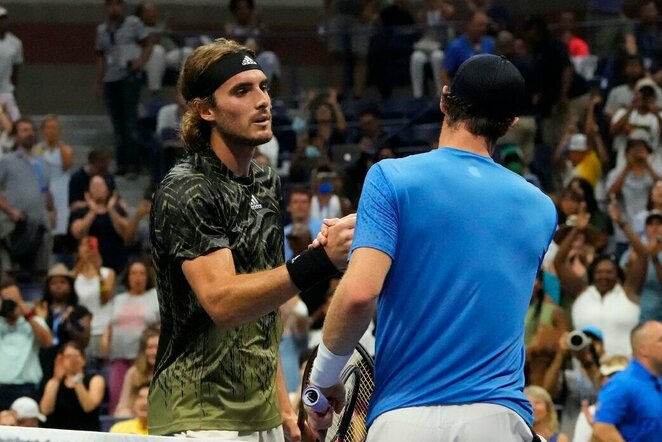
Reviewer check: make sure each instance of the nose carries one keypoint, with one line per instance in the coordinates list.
(264, 101)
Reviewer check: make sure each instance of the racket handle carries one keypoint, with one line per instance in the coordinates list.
(312, 397)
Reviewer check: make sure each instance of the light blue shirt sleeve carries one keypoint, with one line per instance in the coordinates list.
(377, 216)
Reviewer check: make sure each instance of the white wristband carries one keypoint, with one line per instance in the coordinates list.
(327, 367)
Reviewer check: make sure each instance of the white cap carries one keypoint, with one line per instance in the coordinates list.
(3, 12)
(577, 143)
(27, 408)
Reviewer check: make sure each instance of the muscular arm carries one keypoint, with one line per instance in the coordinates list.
(606, 433)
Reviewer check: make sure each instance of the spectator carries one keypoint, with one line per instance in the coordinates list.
(512, 158)
(584, 428)
(167, 132)
(432, 16)
(309, 156)
(609, 300)
(325, 204)
(72, 398)
(545, 420)
(22, 332)
(642, 115)
(577, 47)
(542, 312)
(140, 373)
(95, 285)
(132, 312)
(631, 184)
(621, 96)
(629, 404)
(26, 207)
(27, 412)
(122, 47)
(298, 206)
(137, 230)
(68, 320)
(472, 42)
(329, 120)
(6, 129)
(60, 159)
(8, 418)
(348, 26)
(577, 160)
(11, 56)
(137, 425)
(98, 163)
(648, 37)
(654, 203)
(599, 220)
(103, 218)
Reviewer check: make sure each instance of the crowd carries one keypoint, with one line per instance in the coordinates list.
(590, 138)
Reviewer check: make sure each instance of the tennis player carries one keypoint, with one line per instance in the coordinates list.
(446, 249)
(217, 243)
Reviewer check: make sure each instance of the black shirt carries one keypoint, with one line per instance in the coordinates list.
(68, 414)
(80, 182)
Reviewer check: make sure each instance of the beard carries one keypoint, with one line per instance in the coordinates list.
(232, 137)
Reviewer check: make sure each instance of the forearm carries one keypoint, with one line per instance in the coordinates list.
(5, 206)
(81, 227)
(119, 222)
(87, 402)
(42, 335)
(658, 267)
(621, 124)
(146, 52)
(131, 230)
(47, 403)
(286, 410)
(636, 243)
(551, 379)
(618, 184)
(607, 432)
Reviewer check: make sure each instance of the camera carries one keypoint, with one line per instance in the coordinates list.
(578, 340)
(7, 307)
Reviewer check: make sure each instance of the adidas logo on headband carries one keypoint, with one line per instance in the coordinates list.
(247, 60)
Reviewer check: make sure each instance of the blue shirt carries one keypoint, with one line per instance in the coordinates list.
(461, 50)
(632, 402)
(466, 237)
(314, 225)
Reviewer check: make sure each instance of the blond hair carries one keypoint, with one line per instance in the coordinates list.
(551, 421)
(195, 132)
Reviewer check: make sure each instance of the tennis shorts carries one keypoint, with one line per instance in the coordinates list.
(466, 423)
(273, 435)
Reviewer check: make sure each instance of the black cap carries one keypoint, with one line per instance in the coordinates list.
(491, 86)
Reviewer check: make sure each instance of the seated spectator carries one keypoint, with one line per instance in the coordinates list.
(95, 285)
(141, 372)
(8, 418)
(326, 202)
(309, 156)
(137, 425)
(132, 312)
(298, 206)
(329, 120)
(168, 121)
(432, 16)
(136, 234)
(269, 62)
(166, 52)
(22, 332)
(104, 218)
(545, 421)
(72, 398)
(98, 163)
(629, 404)
(584, 427)
(68, 320)
(473, 41)
(27, 412)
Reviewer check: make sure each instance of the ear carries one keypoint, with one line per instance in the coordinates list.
(205, 111)
(442, 104)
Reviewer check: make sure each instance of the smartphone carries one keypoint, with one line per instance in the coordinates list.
(93, 243)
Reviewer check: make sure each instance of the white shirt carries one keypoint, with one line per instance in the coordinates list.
(647, 121)
(614, 314)
(89, 295)
(11, 53)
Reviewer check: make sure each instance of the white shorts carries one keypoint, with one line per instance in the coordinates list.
(466, 423)
(272, 435)
(9, 101)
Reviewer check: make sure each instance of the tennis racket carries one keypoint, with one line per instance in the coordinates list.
(358, 378)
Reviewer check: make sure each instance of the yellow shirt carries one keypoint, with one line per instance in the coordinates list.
(131, 426)
(589, 168)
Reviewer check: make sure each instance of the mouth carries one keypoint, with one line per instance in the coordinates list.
(263, 120)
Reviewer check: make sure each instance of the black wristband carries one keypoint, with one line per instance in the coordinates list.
(310, 268)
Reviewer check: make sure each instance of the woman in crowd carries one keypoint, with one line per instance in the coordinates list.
(95, 284)
(72, 398)
(141, 371)
(68, 320)
(132, 312)
(545, 420)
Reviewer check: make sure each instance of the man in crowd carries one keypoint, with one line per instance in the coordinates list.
(11, 56)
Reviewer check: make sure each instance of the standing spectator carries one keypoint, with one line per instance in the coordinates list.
(545, 420)
(105, 219)
(648, 36)
(167, 132)
(68, 320)
(473, 41)
(26, 207)
(60, 159)
(132, 312)
(137, 425)
(22, 332)
(6, 129)
(27, 412)
(141, 372)
(298, 206)
(629, 406)
(432, 16)
(95, 285)
(72, 398)
(654, 203)
(11, 56)
(122, 47)
(98, 163)
(621, 96)
(542, 312)
(577, 47)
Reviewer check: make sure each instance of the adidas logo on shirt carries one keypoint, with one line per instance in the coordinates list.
(255, 204)
(247, 60)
